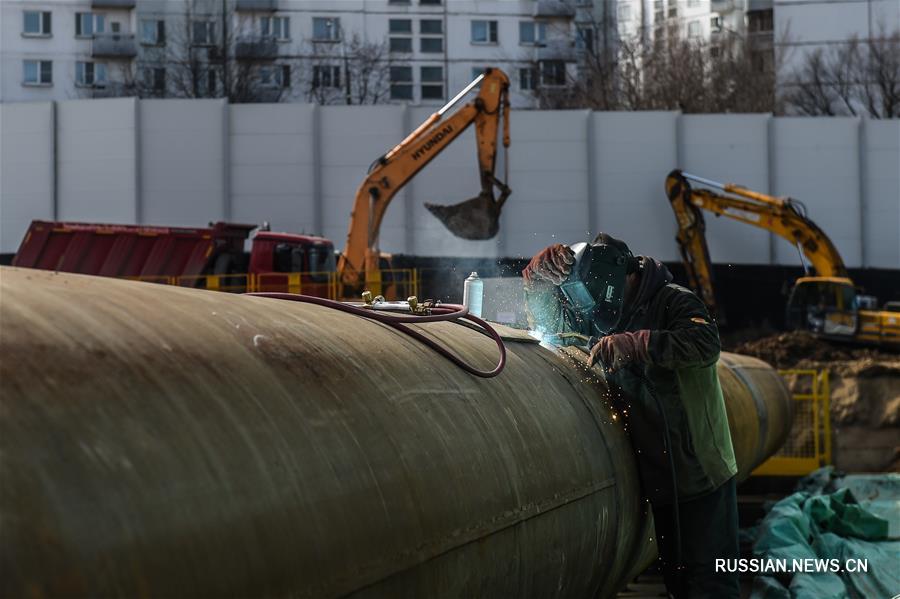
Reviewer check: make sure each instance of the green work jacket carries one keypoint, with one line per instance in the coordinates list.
(681, 372)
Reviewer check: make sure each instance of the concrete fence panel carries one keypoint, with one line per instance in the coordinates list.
(817, 161)
(183, 161)
(352, 138)
(881, 189)
(632, 153)
(27, 169)
(730, 148)
(272, 174)
(96, 160)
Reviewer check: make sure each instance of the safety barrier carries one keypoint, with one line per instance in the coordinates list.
(809, 446)
(393, 284)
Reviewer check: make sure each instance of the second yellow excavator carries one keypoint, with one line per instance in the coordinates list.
(477, 218)
(824, 302)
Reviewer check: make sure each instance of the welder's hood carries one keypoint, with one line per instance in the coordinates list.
(595, 287)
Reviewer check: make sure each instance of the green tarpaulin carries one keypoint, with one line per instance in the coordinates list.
(822, 534)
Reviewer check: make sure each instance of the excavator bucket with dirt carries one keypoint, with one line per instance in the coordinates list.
(476, 218)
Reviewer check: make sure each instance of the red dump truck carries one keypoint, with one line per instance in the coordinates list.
(212, 257)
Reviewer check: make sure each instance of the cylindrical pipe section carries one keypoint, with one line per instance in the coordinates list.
(164, 441)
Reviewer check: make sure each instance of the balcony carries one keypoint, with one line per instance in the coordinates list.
(113, 45)
(257, 5)
(259, 48)
(113, 90)
(122, 4)
(553, 9)
(557, 50)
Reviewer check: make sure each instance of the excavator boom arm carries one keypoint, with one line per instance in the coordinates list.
(780, 216)
(395, 169)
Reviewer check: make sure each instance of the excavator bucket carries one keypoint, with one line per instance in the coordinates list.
(476, 218)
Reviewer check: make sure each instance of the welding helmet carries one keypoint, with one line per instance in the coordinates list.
(595, 287)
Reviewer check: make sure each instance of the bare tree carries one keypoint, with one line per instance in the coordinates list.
(207, 55)
(349, 72)
(733, 74)
(853, 78)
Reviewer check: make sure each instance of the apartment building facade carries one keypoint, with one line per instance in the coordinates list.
(329, 51)
(804, 26)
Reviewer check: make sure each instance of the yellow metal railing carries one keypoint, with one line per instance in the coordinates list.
(394, 283)
(809, 445)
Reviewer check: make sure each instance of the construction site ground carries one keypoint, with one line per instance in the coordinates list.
(865, 395)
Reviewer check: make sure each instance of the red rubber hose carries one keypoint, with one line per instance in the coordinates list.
(442, 313)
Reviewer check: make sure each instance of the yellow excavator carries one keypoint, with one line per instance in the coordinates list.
(477, 218)
(824, 302)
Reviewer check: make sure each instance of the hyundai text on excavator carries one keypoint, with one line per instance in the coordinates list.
(825, 302)
(476, 218)
(213, 257)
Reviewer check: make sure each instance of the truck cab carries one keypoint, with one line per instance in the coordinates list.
(293, 263)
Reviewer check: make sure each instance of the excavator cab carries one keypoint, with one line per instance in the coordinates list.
(825, 306)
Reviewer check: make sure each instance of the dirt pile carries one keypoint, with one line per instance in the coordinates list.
(865, 394)
(791, 350)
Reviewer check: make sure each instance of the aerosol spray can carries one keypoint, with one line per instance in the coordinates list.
(473, 292)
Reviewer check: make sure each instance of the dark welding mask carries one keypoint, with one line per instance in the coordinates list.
(595, 287)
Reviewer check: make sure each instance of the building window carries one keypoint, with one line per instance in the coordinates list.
(658, 11)
(326, 29)
(153, 32)
(760, 20)
(398, 1)
(37, 23)
(401, 35)
(37, 72)
(715, 23)
(155, 79)
(673, 10)
(89, 74)
(277, 75)
(553, 73)
(484, 32)
(432, 83)
(532, 33)
(431, 45)
(432, 31)
(584, 39)
(401, 83)
(212, 87)
(527, 79)
(203, 33)
(693, 3)
(624, 13)
(694, 29)
(402, 26)
(277, 27)
(431, 27)
(401, 45)
(430, 2)
(326, 76)
(477, 71)
(88, 23)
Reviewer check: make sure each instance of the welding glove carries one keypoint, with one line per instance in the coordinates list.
(620, 350)
(551, 264)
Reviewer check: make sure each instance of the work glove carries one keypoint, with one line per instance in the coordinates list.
(622, 349)
(551, 264)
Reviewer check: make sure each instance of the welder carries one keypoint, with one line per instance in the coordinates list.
(658, 348)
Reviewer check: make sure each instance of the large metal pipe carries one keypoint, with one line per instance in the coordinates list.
(162, 441)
